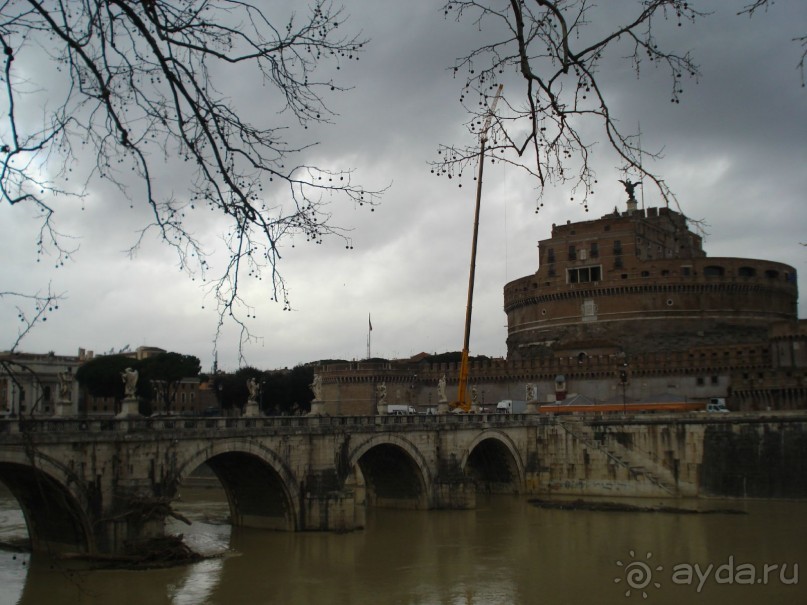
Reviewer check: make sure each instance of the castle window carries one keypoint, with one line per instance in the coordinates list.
(595, 249)
(771, 273)
(617, 262)
(550, 255)
(552, 272)
(617, 246)
(714, 271)
(572, 253)
(584, 275)
(686, 271)
(645, 273)
(746, 272)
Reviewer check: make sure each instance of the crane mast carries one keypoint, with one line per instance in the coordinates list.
(462, 403)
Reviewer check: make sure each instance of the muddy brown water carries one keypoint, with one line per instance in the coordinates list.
(505, 552)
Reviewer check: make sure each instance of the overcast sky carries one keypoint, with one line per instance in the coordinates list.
(734, 154)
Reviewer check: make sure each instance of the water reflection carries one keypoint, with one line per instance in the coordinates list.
(505, 552)
(198, 585)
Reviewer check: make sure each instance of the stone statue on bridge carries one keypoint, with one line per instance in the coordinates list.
(130, 405)
(252, 388)
(252, 408)
(441, 389)
(129, 377)
(316, 387)
(531, 391)
(65, 385)
(381, 390)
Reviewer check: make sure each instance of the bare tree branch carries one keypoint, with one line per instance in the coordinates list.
(750, 9)
(557, 48)
(142, 88)
(31, 310)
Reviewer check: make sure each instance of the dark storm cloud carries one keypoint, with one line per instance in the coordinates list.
(734, 151)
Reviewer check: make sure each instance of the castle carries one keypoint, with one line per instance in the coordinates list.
(627, 306)
(639, 282)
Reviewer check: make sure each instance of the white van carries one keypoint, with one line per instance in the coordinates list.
(717, 404)
(511, 406)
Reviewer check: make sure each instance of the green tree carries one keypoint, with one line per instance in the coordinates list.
(164, 372)
(451, 357)
(231, 389)
(300, 394)
(101, 376)
(275, 391)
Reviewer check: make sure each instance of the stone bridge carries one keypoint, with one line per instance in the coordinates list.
(105, 486)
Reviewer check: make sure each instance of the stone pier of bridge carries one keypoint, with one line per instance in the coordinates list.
(105, 486)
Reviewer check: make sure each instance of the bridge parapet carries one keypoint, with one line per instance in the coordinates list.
(10, 430)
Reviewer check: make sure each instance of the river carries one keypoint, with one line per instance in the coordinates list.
(507, 551)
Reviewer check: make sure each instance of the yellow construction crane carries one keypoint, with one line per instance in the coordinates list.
(462, 403)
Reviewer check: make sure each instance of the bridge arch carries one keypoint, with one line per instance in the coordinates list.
(493, 461)
(392, 472)
(260, 490)
(55, 510)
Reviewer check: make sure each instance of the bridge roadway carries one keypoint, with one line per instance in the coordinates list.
(104, 486)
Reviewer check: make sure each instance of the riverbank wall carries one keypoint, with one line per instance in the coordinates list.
(744, 455)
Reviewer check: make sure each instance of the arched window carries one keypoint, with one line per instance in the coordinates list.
(714, 271)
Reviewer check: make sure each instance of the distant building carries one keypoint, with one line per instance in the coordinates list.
(30, 383)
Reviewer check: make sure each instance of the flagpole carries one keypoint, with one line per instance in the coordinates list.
(369, 335)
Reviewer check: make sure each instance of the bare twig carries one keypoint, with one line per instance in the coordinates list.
(31, 310)
(557, 47)
(142, 86)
